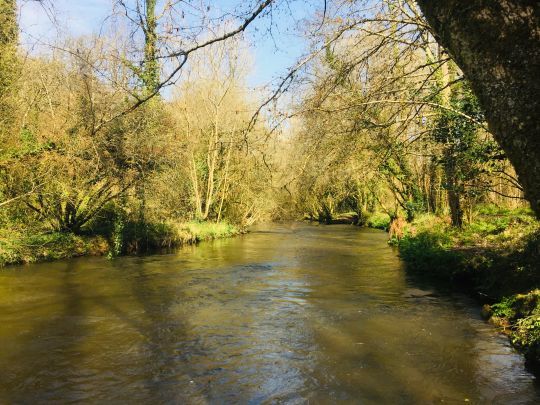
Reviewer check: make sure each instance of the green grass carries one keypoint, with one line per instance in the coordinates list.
(200, 231)
(519, 315)
(23, 247)
(18, 247)
(171, 234)
(378, 220)
(496, 257)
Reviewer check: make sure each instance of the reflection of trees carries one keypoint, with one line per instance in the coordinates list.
(317, 313)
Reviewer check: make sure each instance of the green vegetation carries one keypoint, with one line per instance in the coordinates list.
(93, 160)
(18, 247)
(378, 220)
(496, 257)
(519, 315)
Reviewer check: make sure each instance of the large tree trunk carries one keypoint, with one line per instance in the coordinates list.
(496, 43)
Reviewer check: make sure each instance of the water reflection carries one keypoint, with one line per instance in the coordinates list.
(289, 313)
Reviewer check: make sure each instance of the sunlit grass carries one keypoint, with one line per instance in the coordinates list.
(496, 256)
(26, 247)
(379, 220)
(33, 246)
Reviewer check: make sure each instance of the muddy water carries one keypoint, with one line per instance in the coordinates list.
(289, 313)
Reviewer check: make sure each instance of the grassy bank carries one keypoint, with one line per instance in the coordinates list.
(496, 258)
(30, 246)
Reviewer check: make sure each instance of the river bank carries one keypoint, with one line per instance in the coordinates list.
(31, 246)
(495, 258)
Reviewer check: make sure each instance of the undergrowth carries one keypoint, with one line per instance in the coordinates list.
(496, 257)
(34, 245)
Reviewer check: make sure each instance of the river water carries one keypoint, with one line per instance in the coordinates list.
(289, 313)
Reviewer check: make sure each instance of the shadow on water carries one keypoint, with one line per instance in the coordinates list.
(157, 367)
(68, 341)
(291, 314)
(168, 345)
(48, 347)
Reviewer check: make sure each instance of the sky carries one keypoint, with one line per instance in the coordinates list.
(272, 55)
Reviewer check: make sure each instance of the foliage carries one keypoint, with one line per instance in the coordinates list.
(20, 247)
(78, 159)
(217, 160)
(496, 257)
(429, 254)
(378, 220)
(467, 154)
(521, 314)
(388, 123)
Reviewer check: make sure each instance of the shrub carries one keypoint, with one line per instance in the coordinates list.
(379, 220)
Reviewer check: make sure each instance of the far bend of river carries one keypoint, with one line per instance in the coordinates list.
(290, 313)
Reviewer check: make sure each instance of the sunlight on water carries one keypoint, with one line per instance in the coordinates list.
(289, 313)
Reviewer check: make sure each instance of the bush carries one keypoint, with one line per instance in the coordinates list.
(429, 254)
(522, 313)
(379, 220)
(139, 237)
(496, 257)
(19, 247)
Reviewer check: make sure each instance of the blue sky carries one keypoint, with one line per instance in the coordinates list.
(271, 54)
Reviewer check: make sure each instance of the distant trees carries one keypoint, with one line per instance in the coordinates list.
(386, 120)
(216, 151)
(387, 103)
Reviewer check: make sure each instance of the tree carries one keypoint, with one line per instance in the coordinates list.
(65, 165)
(386, 99)
(9, 65)
(464, 155)
(496, 43)
(215, 148)
(151, 64)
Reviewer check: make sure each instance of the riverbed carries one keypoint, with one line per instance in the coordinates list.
(289, 313)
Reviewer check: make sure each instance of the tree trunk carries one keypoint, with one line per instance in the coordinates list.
(453, 189)
(151, 64)
(496, 43)
(434, 186)
(9, 66)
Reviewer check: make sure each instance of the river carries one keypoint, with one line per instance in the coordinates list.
(290, 313)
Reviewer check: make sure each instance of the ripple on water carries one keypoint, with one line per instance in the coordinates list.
(291, 313)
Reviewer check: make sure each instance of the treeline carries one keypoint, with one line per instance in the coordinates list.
(88, 145)
(388, 123)
(102, 134)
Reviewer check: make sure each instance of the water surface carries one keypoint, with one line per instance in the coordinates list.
(289, 313)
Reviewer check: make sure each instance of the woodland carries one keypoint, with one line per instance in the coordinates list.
(418, 118)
